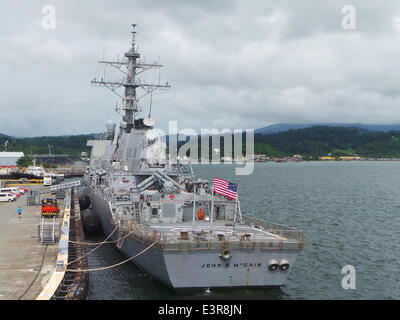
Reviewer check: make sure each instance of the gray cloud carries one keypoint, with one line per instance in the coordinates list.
(236, 64)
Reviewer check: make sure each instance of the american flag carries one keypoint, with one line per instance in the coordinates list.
(226, 188)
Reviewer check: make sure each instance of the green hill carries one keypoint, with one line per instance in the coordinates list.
(315, 141)
(72, 145)
(323, 140)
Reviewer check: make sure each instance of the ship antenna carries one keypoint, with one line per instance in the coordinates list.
(151, 102)
(133, 33)
(131, 66)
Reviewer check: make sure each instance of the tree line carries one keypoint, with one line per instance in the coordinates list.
(71, 145)
(314, 142)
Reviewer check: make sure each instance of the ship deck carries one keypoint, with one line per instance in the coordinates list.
(219, 229)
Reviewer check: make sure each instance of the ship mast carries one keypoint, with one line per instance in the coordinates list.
(131, 66)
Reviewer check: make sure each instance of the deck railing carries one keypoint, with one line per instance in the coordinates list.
(286, 237)
(277, 229)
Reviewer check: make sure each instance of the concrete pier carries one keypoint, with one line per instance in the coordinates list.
(25, 264)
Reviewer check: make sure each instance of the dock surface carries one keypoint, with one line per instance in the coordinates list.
(25, 264)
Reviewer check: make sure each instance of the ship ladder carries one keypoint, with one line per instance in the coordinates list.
(47, 230)
(136, 212)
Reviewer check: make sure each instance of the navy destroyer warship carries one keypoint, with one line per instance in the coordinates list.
(168, 221)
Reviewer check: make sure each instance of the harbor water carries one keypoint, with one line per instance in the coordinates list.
(349, 212)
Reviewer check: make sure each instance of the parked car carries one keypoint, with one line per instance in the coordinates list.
(16, 191)
(7, 197)
(21, 190)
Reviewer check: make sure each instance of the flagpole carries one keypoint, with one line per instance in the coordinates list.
(194, 206)
(212, 206)
(237, 206)
(238, 202)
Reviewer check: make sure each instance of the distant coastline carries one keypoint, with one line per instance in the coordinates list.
(311, 143)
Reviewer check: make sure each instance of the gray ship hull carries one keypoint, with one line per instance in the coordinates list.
(174, 225)
(191, 269)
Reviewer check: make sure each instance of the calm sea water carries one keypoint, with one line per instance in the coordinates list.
(349, 211)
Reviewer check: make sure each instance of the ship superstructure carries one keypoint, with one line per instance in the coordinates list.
(168, 220)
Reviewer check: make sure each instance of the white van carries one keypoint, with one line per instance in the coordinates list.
(48, 179)
(7, 197)
(16, 191)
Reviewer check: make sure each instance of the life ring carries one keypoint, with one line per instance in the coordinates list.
(200, 214)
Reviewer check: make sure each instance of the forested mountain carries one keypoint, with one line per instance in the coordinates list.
(323, 140)
(73, 145)
(315, 141)
(281, 127)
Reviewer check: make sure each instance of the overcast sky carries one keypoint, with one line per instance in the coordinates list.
(231, 64)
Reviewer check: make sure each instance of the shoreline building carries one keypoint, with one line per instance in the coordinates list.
(8, 162)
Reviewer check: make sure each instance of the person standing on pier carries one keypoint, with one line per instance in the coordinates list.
(19, 211)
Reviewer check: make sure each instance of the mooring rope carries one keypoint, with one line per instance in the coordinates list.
(101, 243)
(114, 265)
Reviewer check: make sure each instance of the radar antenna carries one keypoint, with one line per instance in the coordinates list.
(131, 66)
